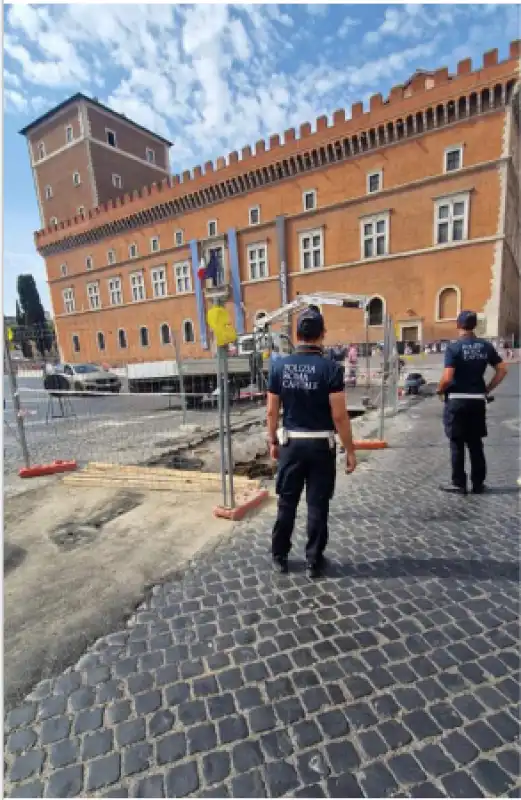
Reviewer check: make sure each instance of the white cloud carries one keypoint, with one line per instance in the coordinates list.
(317, 9)
(14, 100)
(345, 27)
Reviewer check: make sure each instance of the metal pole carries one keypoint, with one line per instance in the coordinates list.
(179, 363)
(16, 401)
(367, 355)
(226, 401)
(382, 406)
(220, 399)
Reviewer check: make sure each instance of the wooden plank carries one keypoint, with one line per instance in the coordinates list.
(138, 483)
(94, 466)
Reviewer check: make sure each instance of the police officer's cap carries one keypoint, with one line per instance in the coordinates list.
(310, 324)
(467, 320)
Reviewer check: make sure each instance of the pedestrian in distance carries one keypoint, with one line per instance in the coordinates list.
(465, 392)
(310, 389)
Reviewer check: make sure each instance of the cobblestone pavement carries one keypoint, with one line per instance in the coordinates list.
(395, 675)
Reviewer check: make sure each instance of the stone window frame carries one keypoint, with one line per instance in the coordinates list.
(451, 200)
(250, 250)
(309, 234)
(374, 219)
(437, 315)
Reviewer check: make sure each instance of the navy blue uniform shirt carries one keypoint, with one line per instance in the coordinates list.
(303, 381)
(470, 357)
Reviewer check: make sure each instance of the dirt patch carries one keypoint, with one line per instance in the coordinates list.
(78, 561)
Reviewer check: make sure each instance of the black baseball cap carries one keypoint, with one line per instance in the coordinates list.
(310, 324)
(467, 320)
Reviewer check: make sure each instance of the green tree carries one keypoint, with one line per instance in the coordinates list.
(31, 310)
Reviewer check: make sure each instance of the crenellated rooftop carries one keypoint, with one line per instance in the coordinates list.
(427, 100)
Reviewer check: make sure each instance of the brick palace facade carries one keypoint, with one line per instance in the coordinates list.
(413, 201)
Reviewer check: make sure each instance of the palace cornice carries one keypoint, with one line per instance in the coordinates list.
(478, 102)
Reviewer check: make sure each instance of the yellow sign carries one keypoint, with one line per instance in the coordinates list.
(10, 335)
(221, 325)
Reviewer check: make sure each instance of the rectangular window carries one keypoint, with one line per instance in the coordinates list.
(115, 293)
(48, 192)
(309, 200)
(137, 285)
(63, 270)
(154, 244)
(375, 235)
(76, 178)
(178, 238)
(53, 221)
(132, 251)
(150, 155)
(89, 262)
(116, 181)
(93, 295)
(257, 261)
(41, 150)
(212, 228)
(183, 278)
(101, 340)
(453, 159)
(111, 256)
(76, 343)
(219, 253)
(122, 339)
(68, 301)
(311, 249)
(81, 211)
(374, 182)
(111, 137)
(69, 134)
(452, 219)
(159, 288)
(255, 215)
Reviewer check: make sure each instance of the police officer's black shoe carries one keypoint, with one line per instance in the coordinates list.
(479, 489)
(314, 570)
(281, 565)
(450, 488)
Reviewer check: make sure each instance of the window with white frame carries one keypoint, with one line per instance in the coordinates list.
(375, 236)
(69, 134)
(101, 340)
(183, 277)
(309, 200)
(150, 155)
(111, 256)
(76, 343)
(137, 285)
(93, 295)
(115, 292)
(122, 339)
(68, 301)
(48, 192)
(451, 219)
(311, 249)
(188, 331)
(178, 238)
(165, 334)
(132, 251)
(117, 181)
(63, 270)
(154, 244)
(53, 221)
(257, 261)
(453, 159)
(212, 228)
(111, 137)
(144, 341)
(374, 182)
(89, 263)
(159, 288)
(76, 179)
(81, 211)
(254, 215)
(41, 150)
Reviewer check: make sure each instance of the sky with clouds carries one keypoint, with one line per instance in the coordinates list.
(213, 78)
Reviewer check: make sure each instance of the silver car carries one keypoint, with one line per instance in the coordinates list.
(88, 378)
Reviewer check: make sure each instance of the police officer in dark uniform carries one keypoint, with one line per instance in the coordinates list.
(310, 388)
(463, 388)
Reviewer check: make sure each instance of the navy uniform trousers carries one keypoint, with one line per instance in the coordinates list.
(310, 463)
(466, 426)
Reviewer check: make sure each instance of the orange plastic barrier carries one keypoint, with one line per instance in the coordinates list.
(244, 504)
(47, 469)
(370, 444)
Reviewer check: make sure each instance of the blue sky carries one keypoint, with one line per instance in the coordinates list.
(214, 78)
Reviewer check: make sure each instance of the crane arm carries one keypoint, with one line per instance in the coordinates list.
(319, 298)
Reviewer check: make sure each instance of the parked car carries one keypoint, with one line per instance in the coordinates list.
(88, 378)
(413, 383)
